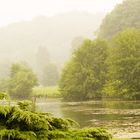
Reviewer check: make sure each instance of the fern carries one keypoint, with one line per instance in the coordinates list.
(4, 95)
(25, 105)
(17, 135)
(29, 120)
(4, 110)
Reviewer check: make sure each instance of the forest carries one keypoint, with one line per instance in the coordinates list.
(101, 69)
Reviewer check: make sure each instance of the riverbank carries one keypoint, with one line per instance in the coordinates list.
(122, 123)
(121, 118)
(135, 135)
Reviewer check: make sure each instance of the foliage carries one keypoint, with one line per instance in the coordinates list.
(25, 105)
(42, 59)
(76, 43)
(20, 41)
(83, 134)
(124, 66)
(84, 76)
(22, 80)
(125, 139)
(4, 95)
(50, 75)
(47, 72)
(4, 67)
(4, 84)
(52, 91)
(16, 135)
(125, 15)
(97, 71)
(18, 124)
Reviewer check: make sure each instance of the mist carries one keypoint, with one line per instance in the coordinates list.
(76, 59)
(53, 26)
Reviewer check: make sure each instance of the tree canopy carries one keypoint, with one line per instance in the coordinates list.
(22, 80)
(42, 60)
(84, 76)
(50, 75)
(99, 69)
(125, 15)
(124, 66)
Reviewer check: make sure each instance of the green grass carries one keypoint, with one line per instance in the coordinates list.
(47, 92)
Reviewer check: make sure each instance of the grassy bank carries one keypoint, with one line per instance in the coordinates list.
(47, 92)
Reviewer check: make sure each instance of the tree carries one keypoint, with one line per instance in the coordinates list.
(125, 15)
(4, 84)
(4, 68)
(50, 75)
(42, 60)
(22, 80)
(124, 66)
(84, 76)
(76, 43)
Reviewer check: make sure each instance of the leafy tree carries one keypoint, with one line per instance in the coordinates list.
(4, 68)
(84, 76)
(42, 60)
(76, 43)
(4, 84)
(22, 80)
(50, 75)
(124, 66)
(125, 15)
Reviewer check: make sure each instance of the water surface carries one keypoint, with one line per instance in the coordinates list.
(121, 118)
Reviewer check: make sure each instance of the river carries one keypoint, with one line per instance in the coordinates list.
(121, 118)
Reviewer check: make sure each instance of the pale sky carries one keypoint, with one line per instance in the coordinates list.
(18, 10)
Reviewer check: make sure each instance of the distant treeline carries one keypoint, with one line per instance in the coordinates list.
(125, 15)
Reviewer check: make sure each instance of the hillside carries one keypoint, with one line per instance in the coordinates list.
(125, 15)
(20, 41)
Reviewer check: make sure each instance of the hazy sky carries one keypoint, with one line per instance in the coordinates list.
(17, 10)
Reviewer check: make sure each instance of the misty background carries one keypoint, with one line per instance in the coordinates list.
(47, 31)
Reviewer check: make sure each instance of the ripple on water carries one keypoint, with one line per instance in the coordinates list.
(122, 118)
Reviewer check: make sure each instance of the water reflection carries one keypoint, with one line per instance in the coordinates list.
(120, 117)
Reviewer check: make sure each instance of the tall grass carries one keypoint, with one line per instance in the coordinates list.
(47, 92)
